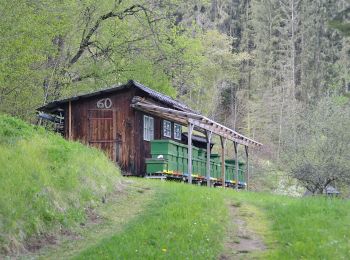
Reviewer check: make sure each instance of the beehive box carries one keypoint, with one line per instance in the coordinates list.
(156, 165)
(162, 147)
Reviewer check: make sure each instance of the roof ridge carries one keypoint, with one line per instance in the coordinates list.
(140, 85)
(130, 83)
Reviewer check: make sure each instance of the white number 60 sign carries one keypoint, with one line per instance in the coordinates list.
(104, 103)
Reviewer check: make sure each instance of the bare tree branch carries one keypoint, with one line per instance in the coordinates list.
(86, 41)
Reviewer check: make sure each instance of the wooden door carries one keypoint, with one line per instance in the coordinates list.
(102, 130)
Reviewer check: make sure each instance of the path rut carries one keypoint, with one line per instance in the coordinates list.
(242, 242)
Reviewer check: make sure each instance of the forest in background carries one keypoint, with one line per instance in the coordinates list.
(274, 70)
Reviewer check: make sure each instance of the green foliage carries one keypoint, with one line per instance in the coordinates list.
(320, 154)
(341, 22)
(145, 71)
(143, 41)
(255, 64)
(28, 31)
(341, 26)
(46, 182)
(217, 68)
(39, 41)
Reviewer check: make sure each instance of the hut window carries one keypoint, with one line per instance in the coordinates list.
(167, 128)
(177, 131)
(148, 128)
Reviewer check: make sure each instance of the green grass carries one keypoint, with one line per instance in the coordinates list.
(312, 228)
(303, 228)
(291, 228)
(113, 217)
(182, 222)
(46, 182)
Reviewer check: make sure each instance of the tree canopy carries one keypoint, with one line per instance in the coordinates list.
(259, 66)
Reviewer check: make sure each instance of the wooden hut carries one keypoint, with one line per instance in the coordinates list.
(122, 120)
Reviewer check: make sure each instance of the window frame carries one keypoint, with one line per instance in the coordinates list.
(148, 128)
(167, 129)
(180, 131)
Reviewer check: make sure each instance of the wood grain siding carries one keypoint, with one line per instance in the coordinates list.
(101, 130)
(121, 130)
(70, 120)
(117, 130)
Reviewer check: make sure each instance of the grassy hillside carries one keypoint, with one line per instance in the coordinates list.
(184, 221)
(47, 183)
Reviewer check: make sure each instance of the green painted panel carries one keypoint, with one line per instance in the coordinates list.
(163, 147)
(156, 165)
(215, 157)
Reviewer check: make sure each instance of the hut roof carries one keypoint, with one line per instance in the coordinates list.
(175, 110)
(169, 101)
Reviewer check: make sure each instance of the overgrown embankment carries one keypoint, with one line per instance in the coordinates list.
(47, 184)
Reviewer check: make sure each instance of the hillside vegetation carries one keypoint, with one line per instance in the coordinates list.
(52, 187)
(47, 183)
(183, 221)
(195, 222)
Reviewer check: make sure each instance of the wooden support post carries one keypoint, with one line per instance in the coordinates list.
(208, 136)
(247, 165)
(114, 127)
(223, 144)
(189, 143)
(236, 160)
(70, 120)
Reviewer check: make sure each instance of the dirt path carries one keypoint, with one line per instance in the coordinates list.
(110, 218)
(242, 241)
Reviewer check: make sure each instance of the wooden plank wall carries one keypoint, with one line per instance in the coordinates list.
(131, 150)
(123, 128)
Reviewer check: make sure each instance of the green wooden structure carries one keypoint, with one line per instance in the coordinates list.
(191, 168)
(171, 158)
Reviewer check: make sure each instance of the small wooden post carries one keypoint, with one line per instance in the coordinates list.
(189, 143)
(236, 160)
(247, 165)
(223, 144)
(70, 120)
(208, 136)
(114, 127)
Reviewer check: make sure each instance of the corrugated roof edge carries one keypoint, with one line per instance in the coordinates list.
(159, 96)
(162, 97)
